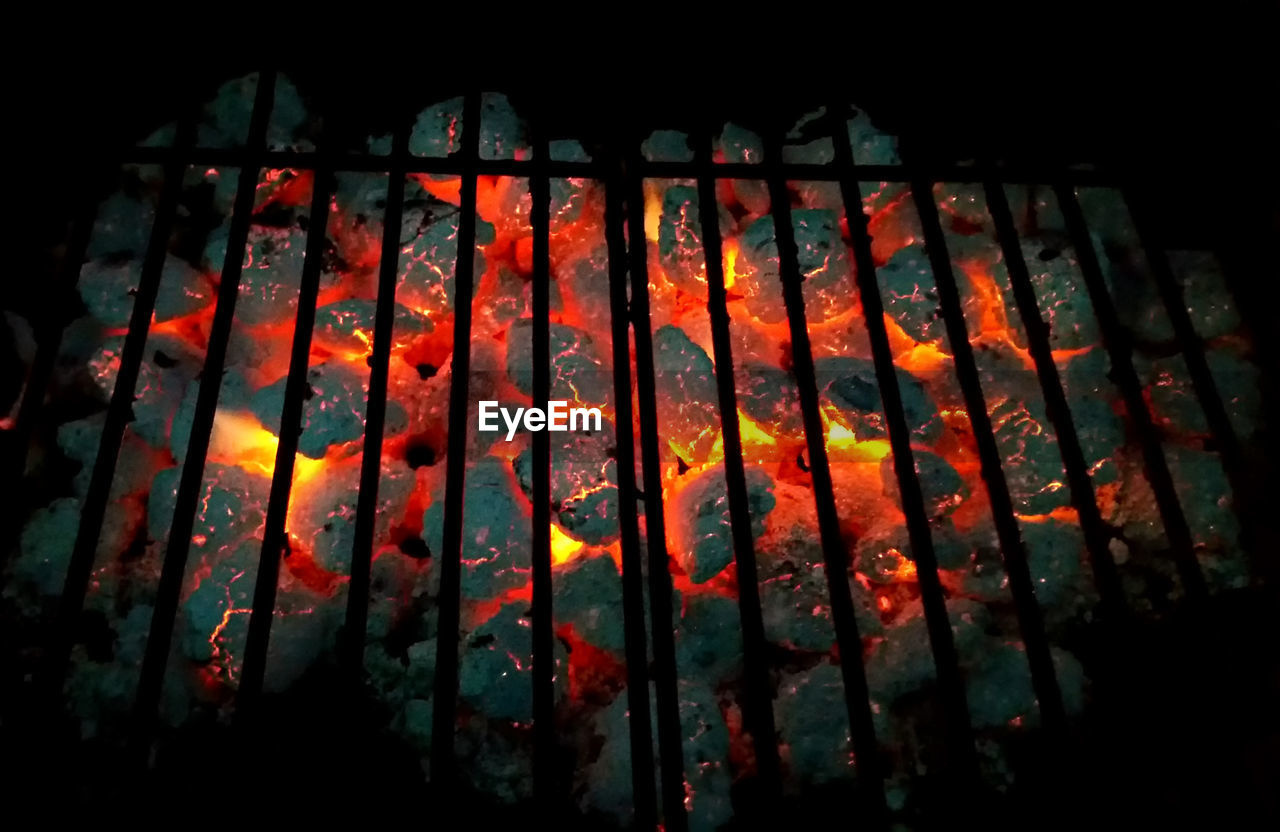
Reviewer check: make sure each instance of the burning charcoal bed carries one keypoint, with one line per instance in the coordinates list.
(861, 520)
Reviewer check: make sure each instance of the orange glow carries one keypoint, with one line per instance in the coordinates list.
(240, 439)
(563, 547)
(840, 438)
(730, 262)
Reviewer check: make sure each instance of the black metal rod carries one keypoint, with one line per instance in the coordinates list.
(661, 614)
(119, 413)
(302, 160)
(642, 779)
(870, 778)
(1119, 346)
(1192, 346)
(351, 643)
(545, 755)
(963, 763)
(1097, 536)
(275, 535)
(191, 483)
(443, 769)
(758, 700)
(1044, 679)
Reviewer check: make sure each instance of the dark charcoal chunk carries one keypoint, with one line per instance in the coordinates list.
(123, 226)
(495, 531)
(880, 554)
(797, 609)
(850, 386)
(999, 689)
(667, 146)
(495, 671)
(903, 662)
(940, 484)
(108, 291)
(587, 595)
(1205, 495)
(769, 395)
(578, 373)
(813, 723)
(824, 267)
(1173, 396)
(1061, 295)
(709, 639)
(1204, 290)
(702, 510)
(911, 296)
(688, 413)
(1054, 551)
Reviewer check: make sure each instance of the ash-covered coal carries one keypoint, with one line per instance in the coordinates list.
(849, 386)
(348, 325)
(823, 260)
(578, 371)
(586, 595)
(1062, 297)
(495, 673)
(108, 289)
(702, 509)
(324, 514)
(709, 638)
(769, 395)
(495, 531)
(941, 485)
(910, 296)
(584, 483)
(687, 398)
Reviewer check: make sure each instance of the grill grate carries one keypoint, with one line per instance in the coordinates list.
(644, 557)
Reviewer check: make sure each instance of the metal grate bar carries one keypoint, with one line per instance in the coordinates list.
(661, 614)
(1117, 341)
(642, 780)
(443, 768)
(1044, 678)
(960, 749)
(870, 778)
(119, 414)
(942, 172)
(351, 644)
(758, 704)
(1224, 435)
(545, 756)
(179, 545)
(1096, 534)
(275, 537)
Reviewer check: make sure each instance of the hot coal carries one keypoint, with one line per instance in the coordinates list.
(269, 278)
(49, 537)
(680, 240)
(941, 485)
(578, 372)
(911, 297)
(495, 531)
(426, 277)
(232, 506)
(586, 594)
(216, 613)
(881, 554)
(702, 509)
(496, 666)
(688, 413)
(1063, 298)
(797, 608)
(349, 324)
(823, 260)
(584, 476)
(769, 395)
(813, 725)
(108, 290)
(850, 386)
(324, 514)
(1053, 550)
(1176, 406)
(709, 639)
(332, 411)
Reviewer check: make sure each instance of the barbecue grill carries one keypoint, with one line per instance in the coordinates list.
(918, 484)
